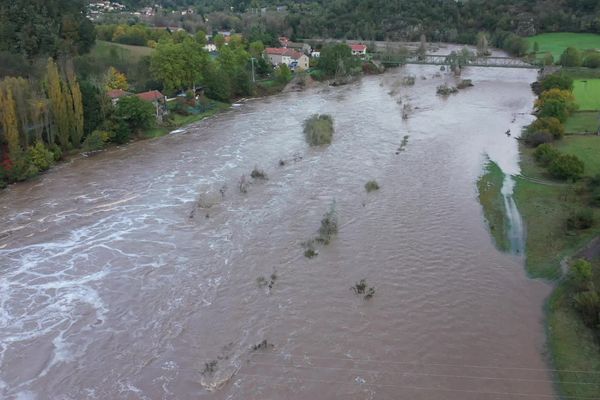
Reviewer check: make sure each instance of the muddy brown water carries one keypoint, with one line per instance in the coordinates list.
(115, 285)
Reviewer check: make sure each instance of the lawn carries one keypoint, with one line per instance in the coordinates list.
(587, 94)
(573, 348)
(556, 43)
(583, 122)
(587, 148)
(545, 208)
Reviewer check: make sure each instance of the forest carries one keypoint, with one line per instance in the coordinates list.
(439, 20)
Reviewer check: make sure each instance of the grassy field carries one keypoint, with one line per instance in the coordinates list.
(492, 202)
(587, 148)
(587, 94)
(103, 48)
(583, 122)
(573, 348)
(556, 43)
(545, 206)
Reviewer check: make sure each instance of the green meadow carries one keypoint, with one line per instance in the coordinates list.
(587, 94)
(556, 43)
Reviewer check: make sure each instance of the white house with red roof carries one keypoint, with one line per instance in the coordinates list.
(359, 49)
(292, 58)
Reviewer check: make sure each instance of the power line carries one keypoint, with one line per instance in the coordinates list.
(419, 388)
(440, 364)
(427, 374)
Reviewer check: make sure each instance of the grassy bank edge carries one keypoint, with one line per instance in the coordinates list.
(180, 121)
(571, 345)
(573, 351)
(489, 187)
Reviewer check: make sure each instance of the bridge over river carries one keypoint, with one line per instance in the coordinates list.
(433, 59)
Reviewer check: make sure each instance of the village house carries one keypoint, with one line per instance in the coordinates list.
(359, 49)
(115, 94)
(302, 47)
(157, 99)
(292, 58)
(154, 96)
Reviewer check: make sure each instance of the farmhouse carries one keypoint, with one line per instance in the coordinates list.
(154, 96)
(115, 94)
(158, 100)
(359, 49)
(292, 58)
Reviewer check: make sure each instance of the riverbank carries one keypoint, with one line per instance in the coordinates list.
(562, 223)
(180, 121)
(545, 206)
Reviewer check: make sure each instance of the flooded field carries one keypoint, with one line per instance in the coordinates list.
(116, 284)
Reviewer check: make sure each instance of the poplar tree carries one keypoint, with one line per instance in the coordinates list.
(77, 111)
(10, 125)
(58, 104)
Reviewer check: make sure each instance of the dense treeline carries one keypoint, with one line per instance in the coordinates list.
(439, 20)
(44, 27)
(53, 96)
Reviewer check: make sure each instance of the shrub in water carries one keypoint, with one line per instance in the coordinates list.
(371, 186)
(310, 253)
(361, 288)
(318, 129)
(465, 83)
(445, 90)
(329, 226)
(210, 367)
(258, 174)
(409, 80)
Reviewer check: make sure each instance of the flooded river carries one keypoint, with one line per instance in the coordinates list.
(114, 284)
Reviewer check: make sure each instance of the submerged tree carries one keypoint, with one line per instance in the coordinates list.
(422, 50)
(482, 45)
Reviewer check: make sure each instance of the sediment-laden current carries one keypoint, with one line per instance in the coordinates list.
(132, 274)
